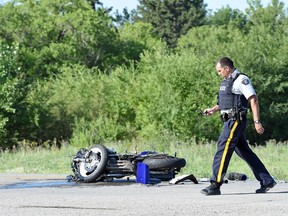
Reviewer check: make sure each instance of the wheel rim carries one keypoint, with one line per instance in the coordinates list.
(92, 162)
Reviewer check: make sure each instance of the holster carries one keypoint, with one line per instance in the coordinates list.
(241, 115)
(224, 117)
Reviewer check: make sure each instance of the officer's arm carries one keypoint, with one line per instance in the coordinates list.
(256, 114)
(212, 110)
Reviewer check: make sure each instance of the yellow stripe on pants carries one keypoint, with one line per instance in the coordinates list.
(225, 151)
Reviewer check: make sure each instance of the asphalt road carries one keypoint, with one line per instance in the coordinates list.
(54, 195)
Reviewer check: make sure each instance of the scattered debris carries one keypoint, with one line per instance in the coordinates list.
(236, 176)
(183, 178)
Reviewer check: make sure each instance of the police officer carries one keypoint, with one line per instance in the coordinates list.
(235, 92)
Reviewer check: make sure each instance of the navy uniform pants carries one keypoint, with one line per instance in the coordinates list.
(233, 139)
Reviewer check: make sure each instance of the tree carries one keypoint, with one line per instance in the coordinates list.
(126, 17)
(9, 79)
(53, 33)
(135, 38)
(172, 18)
(271, 16)
(50, 35)
(228, 16)
(94, 4)
(261, 53)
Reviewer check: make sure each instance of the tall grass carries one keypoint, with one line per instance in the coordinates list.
(38, 160)
(199, 158)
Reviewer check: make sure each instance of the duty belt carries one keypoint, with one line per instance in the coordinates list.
(239, 115)
(230, 111)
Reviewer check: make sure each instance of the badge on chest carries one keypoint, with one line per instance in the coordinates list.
(222, 88)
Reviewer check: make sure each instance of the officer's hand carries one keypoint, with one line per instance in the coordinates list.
(208, 111)
(259, 128)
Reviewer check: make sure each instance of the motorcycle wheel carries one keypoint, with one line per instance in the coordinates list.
(94, 165)
(159, 162)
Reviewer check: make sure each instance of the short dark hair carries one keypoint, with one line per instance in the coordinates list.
(225, 61)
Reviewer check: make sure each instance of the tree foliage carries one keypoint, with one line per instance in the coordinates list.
(9, 79)
(51, 35)
(172, 18)
(69, 73)
(228, 16)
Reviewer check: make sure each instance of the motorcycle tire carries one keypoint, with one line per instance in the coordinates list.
(92, 169)
(158, 162)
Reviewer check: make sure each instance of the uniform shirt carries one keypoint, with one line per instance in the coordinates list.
(242, 85)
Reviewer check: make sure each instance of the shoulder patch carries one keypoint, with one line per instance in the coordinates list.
(245, 81)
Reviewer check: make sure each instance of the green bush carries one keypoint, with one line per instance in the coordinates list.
(165, 93)
(75, 77)
(261, 54)
(8, 86)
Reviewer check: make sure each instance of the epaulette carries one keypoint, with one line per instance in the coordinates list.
(237, 75)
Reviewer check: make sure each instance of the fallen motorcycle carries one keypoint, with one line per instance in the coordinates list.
(103, 164)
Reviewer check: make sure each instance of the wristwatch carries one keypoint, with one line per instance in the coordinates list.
(257, 122)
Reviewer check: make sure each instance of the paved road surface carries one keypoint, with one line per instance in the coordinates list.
(53, 195)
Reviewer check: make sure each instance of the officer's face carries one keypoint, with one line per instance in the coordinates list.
(222, 71)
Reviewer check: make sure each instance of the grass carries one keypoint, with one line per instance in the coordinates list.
(37, 161)
(199, 158)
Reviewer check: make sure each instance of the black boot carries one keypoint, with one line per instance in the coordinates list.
(213, 189)
(265, 188)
